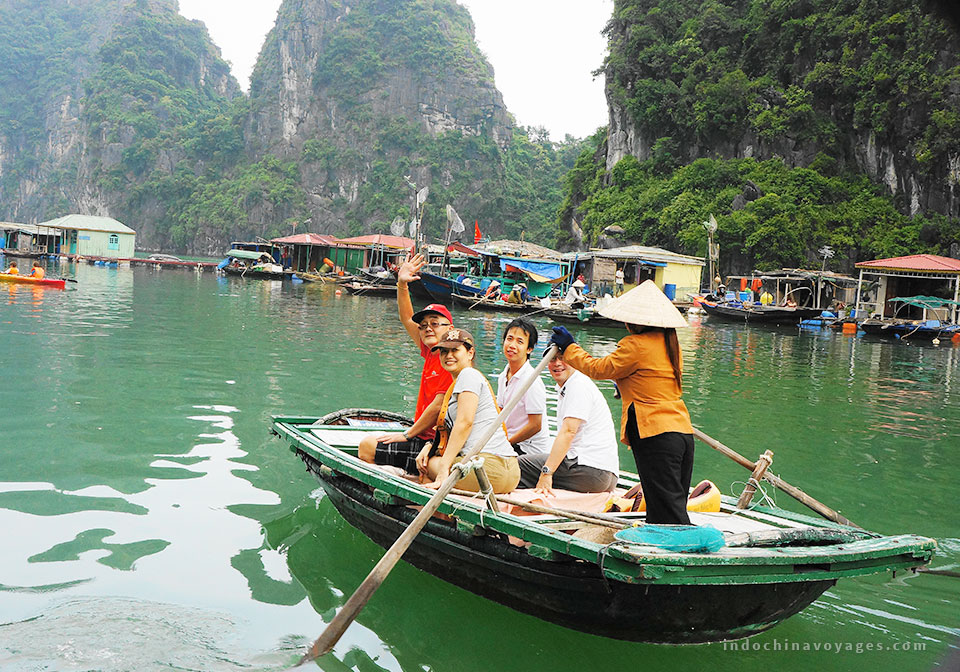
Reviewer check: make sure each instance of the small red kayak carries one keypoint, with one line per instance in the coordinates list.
(53, 283)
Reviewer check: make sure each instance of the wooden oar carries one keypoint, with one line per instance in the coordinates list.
(776, 481)
(378, 574)
(480, 300)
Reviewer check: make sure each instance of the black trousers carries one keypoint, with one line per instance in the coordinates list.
(665, 465)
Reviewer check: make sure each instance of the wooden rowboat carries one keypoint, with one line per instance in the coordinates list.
(775, 564)
(758, 314)
(52, 283)
(478, 303)
(370, 290)
(583, 317)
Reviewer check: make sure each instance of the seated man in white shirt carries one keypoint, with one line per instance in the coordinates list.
(584, 455)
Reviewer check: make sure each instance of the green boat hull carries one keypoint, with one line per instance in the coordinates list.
(628, 592)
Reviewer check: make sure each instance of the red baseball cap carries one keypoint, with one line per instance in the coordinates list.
(433, 309)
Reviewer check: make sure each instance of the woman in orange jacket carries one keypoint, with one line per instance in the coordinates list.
(648, 369)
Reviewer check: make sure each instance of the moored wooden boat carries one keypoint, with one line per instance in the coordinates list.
(370, 290)
(379, 277)
(917, 330)
(758, 314)
(440, 287)
(52, 283)
(783, 562)
(584, 316)
(479, 303)
(285, 274)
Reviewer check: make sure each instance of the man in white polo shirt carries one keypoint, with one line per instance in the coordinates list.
(584, 455)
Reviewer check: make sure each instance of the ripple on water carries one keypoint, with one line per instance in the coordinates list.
(143, 635)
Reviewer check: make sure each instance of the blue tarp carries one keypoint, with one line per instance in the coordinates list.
(544, 269)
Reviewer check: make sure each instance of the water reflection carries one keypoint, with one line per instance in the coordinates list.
(138, 479)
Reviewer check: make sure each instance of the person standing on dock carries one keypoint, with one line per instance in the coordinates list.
(648, 369)
(426, 328)
(618, 279)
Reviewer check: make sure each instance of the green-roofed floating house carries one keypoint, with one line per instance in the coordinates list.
(94, 236)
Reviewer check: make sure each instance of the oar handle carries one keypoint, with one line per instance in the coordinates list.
(351, 608)
(776, 481)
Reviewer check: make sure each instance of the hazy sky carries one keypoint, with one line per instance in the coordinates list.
(542, 52)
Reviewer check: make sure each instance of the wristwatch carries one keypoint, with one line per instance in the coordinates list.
(545, 470)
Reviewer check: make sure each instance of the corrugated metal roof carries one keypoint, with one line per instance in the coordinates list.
(88, 223)
(639, 252)
(516, 248)
(930, 263)
(305, 239)
(398, 242)
(248, 254)
(35, 229)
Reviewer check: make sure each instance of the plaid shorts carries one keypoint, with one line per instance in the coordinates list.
(401, 454)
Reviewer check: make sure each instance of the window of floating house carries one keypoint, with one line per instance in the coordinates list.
(114, 242)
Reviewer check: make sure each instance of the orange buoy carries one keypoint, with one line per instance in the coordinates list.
(338, 292)
(849, 327)
(329, 263)
(704, 497)
(956, 339)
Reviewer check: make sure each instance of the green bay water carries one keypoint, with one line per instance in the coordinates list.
(149, 521)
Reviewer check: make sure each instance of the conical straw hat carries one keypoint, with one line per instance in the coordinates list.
(645, 305)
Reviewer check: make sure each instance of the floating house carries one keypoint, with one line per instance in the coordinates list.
(882, 280)
(513, 261)
(306, 251)
(93, 236)
(29, 240)
(380, 250)
(676, 274)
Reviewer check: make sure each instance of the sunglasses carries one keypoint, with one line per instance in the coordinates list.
(432, 325)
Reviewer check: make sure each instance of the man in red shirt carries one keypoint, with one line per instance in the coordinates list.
(426, 328)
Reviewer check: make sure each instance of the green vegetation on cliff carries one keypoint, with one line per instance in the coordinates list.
(167, 120)
(425, 36)
(513, 191)
(42, 56)
(386, 72)
(711, 72)
(822, 84)
(792, 212)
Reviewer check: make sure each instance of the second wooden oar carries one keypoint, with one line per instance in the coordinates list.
(378, 574)
(776, 481)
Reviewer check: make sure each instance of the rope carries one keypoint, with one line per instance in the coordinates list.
(763, 499)
(601, 557)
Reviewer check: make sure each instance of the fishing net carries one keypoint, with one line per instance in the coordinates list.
(679, 538)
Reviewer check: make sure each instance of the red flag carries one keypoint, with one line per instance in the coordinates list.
(476, 232)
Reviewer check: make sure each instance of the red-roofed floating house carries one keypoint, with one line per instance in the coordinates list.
(916, 274)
